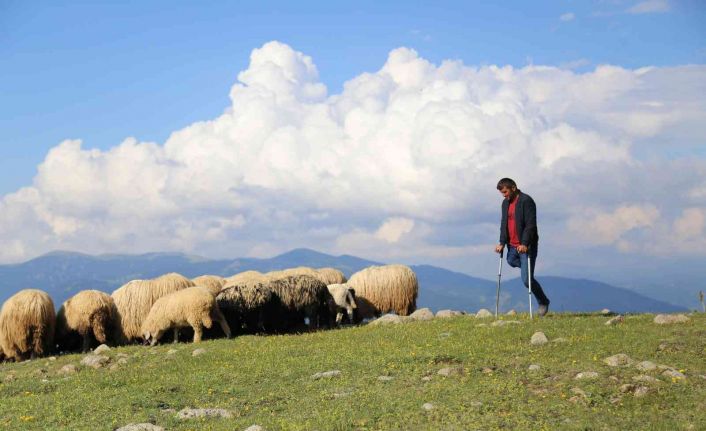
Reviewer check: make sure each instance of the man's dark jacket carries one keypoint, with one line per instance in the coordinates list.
(525, 221)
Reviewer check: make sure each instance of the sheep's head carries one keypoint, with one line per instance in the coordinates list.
(151, 338)
(350, 303)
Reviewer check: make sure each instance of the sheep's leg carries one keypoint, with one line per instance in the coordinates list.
(198, 332)
(37, 345)
(218, 317)
(86, 343)
(176, 335)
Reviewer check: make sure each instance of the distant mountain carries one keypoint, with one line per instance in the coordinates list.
(61, 274)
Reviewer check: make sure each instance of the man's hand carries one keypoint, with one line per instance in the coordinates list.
(499, 248)
(522, 248)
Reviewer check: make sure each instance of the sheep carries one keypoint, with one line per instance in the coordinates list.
(27, 324)
(342, 299)
(247, 304)
(193, 306)
(243, 278)
(134, 300)
(383, 289)
(300, 296)
(213, 283)
(331, 276)
(88, 312)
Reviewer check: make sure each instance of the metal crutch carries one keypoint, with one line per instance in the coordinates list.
(497, 292)
(529, 284)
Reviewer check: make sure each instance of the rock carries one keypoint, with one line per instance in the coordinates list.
(386, 378)
(668, 319)
(51, 358)
(95, 361)
(448, 313)
(101, 349)
(643, 378)
(122, 361)
(254, 428)
(422, 314)
(619, 360)
(487, 370)
(342, 394)
(445, 335)
(538, 339)
(389, 319)
(188, 413)
(505, 322)
(114, 367)
(426, 378)
(674, 374)
(476, 404)
(635, 390)
(646, 366)
(171, 351)
(427, 406)
(122, 355)
(68, 369)
(9, 378)
(579, 395)
(511, 313)
(534, 367)
(326, 375)
(614, 379)
(483, 313)
(606, 312)
(198, 352)
(451, 371)
(615, 320)
(141, 427)
(585, 375)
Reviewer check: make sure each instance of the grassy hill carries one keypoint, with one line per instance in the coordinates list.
(267, 380)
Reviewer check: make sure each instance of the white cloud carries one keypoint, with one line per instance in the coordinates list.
(568, 16)
(401, 164)
(610, 227)
(650, 6)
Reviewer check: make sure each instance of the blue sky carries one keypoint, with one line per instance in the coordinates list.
(369, 128)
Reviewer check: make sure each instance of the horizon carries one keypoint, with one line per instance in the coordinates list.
(248, 130)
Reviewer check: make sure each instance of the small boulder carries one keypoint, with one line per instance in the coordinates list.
(615, 320)
(422, 314)
(534, 367)
(668, 319)
(619, 360)
(95, 361)
(635, 390)
(51, 358)
(101, 349)
(644, 378)
(426, 378)
(386, 378)
(254, 428)
(483, 313)
(122, 355)
(188, 413)
(646, 366)
(511, 312)
(448, 313)
(451, 371)
(427, 406)
(586, 375)
(141, 427)
(388, 319)
(674, 374)
(505, 322)
(198, 352)
(122, 361)
(68, 369)
(539, 339)
(326, 374)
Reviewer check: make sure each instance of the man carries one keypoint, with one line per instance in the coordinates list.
(518, 231)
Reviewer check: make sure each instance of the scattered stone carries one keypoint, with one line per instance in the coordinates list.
(422, 314)
(9, 378)
(476, 404)
(448, 313)
(326, 374)
(51, 358)
(483, 313)
(702, 376)
(644, 378)
(389, 319)
(635, 390)
(171, 351)
(619, 360)
(538, 339)
(426, 378)
(95, 361)
(386, 378)
(342, 394)
(487, 370)
(445, 335)
(101, 349)
(40, 371)
(505, 322)
(122, 355)
(188, 413)
(560, 340)
(427, 406)
(451, 371)
(534, 367)
(615, 320)
(674, 374)
(606, 312)
(646, 366)
(114, 367)
(254, 428)
(141, 427)
(198, 352)
(585, 375)
(614, 379)
(511, 312)
(668, 319)
(68, 369)
(122, 361)
(579, 395)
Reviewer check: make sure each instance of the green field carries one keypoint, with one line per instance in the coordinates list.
(267, 380)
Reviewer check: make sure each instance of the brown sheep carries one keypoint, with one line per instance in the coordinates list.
(301, 296)
(384, 289)
(27, 322)
(214, 283)
(194, 306)
(246, 305)
(134, 300)
(245, 278)
(89, 312)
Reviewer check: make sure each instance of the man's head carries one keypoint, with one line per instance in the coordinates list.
(508, 188)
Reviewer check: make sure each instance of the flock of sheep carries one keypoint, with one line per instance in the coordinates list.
(249, 302)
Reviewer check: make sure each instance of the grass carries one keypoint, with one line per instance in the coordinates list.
(266, 380)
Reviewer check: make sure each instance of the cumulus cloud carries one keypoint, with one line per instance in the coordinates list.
(568, 16)
(650, 6)
(401, 164)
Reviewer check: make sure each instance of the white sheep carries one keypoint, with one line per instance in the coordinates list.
(342, 300)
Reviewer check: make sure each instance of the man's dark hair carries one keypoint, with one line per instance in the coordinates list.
(506, 182)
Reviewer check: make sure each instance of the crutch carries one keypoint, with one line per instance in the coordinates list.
(529, 285)
(497, 292)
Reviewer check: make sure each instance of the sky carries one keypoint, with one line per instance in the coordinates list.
(379, 130)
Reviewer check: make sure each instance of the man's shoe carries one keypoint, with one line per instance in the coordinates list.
(543, 309)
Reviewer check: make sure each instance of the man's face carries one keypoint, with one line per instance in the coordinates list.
(508, 192)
